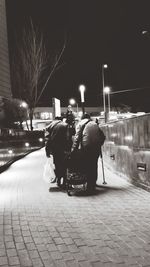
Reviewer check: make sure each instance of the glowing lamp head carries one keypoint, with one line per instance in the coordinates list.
(82, 90)
(26, 144)
(72, 101)
(23, 105)
(106, 90)
(105, 66)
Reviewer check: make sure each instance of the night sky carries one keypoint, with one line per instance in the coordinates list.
(98, 32)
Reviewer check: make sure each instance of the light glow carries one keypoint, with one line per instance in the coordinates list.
(106, 90)
(27, 144)
(24, 105)
(82, 90)
(72, 101)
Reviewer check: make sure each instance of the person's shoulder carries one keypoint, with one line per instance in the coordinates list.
(63, 124)
(91, 123)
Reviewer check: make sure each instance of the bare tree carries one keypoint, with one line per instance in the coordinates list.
(32, 67)
(14, 113)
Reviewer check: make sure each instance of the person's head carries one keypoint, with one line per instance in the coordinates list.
(85, 116)
(69, 108)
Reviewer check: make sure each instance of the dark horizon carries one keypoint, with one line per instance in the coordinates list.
(97, 32)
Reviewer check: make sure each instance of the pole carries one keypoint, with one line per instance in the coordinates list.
(104, 102)
(109, 104)
(104, 182)
(77, 110)
(83, 108)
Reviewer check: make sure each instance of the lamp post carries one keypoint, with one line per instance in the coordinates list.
(105, 66)
(82, 90)
(72, 102)
(107, 91)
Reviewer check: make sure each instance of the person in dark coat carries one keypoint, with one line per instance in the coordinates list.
(70, 120)
(90, 138)
(57, 146)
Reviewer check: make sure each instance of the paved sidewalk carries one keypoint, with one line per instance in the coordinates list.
(42, 228)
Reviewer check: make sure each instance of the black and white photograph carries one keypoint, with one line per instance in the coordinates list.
(74, 133)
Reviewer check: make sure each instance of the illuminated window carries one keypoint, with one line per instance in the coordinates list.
(45, 115)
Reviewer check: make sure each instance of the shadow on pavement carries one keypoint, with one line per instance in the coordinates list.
(100, 189)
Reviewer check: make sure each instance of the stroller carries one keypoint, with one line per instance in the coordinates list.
(76, 178)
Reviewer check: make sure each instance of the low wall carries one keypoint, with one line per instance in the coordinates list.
(127, 149)
(17, 143)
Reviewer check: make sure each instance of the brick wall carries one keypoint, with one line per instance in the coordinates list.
(5, 86)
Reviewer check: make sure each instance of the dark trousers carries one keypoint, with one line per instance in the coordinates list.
(90, 167)
(60, 166)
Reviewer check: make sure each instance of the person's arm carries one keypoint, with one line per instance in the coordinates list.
(76, 140)
(48, 148)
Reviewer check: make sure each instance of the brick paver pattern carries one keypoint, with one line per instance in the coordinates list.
(42, 228)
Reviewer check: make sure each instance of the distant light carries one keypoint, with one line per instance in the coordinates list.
(107, 90)
(40, 139)
(27, 144)
(10, 151)
(129, 138)
(82, 90)
(140, 113)
(105, 66)
(72, 101)
(113, 135)
(144, 32)
(23, 105)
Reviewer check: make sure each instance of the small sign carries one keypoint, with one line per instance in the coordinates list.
(141, 167)
(56, 107)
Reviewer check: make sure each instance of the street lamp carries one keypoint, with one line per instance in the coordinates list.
(82, 90)
(105, 66)
(107, 91)
(72, 102)
(23, 104)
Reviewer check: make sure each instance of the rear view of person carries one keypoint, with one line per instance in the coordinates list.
(70, 120)
(56, 145)
(90, 137)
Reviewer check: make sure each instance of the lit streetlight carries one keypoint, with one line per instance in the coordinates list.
(72, 102)
(105, 66)
(23, 104)
(82, 90)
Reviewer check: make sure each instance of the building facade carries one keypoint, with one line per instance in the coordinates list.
(5, 84)
(46, 113)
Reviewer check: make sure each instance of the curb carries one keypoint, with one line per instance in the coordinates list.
(10, 162)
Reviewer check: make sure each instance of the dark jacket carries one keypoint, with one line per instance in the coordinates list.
(57, 139)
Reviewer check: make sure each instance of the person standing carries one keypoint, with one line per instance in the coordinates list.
(90, 138)
(57, 146)
(70, 120)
